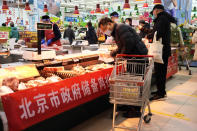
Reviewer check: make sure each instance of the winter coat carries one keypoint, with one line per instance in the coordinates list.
(128, 41)
(56, 31)
(14, 33)
(69, 33)
(91, 36)
(162, 26)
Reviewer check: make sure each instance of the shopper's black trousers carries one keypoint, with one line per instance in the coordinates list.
(160, 73)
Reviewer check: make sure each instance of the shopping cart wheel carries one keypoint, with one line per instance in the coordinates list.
(147, 118)
(190, 72)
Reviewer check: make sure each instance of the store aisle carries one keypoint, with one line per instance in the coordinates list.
(177, 113)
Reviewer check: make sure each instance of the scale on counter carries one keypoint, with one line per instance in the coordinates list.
(32, 54)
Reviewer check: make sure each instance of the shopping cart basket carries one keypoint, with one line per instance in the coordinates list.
(130, 84)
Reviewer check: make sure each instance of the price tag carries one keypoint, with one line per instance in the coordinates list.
(42, 26)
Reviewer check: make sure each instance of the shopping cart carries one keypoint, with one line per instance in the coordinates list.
(130, 84)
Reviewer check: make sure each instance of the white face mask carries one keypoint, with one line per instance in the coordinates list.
(127, 23)
(117, 20)
(108, 32)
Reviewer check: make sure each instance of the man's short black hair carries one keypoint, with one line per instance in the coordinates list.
(104, 21)
(89, 24)
(114, 14)
(45, 17)
(158, 6)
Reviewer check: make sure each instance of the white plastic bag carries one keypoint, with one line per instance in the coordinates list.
(195, 54)
(156, 49)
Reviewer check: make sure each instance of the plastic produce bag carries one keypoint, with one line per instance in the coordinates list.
(156, 50)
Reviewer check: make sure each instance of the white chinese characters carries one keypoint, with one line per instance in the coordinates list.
(65, 93)
(41, 102)
(85, 87)
(27, 113)
(54, 99)
(76, 91)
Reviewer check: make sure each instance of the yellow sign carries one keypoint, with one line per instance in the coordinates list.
(20, 72)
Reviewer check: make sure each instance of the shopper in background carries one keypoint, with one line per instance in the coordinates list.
(115, 17)
(52, 36)
(144, 28)
(128, 42)
(69, 34)
(91, 34)
(128, 21)
(4, 24)
(14, 32)
(162, 27)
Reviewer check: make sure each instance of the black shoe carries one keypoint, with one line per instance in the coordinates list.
(158, 97)
(153, 93)
(130, 114)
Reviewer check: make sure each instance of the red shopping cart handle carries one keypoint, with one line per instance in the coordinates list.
(125, 55)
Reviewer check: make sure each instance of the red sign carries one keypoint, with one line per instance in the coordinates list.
(4, 35)
(28, 107)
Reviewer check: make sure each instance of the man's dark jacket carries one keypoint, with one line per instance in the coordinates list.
(128, 41)
(91, 36)
(69, 33)
(162, 26)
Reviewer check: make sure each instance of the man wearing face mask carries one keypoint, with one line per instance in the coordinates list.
(128, 42)
(162, 26)
(128, 21)
(115, 17)
(126, 38)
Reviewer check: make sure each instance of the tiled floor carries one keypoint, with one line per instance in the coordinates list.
(177, 113)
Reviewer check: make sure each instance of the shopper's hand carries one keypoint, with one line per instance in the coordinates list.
(49, 41)
(42, 41)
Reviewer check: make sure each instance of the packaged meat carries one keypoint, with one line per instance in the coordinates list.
(12, 83)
